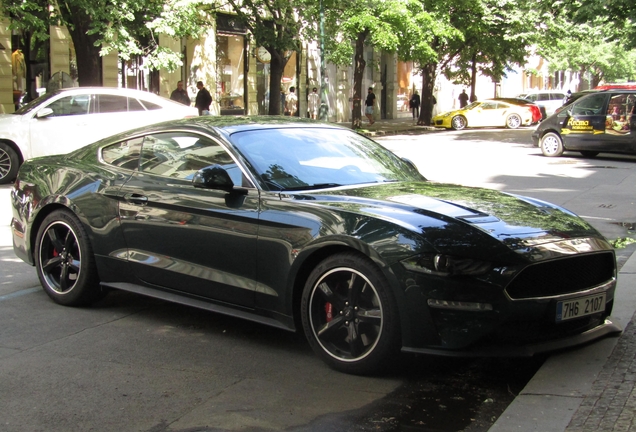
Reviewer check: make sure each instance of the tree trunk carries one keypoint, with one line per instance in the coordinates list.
(473, 78)
(428, 82)
(360, 64)
(277, 67)
(89, 62)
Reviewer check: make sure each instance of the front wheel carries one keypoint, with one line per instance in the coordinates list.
(349, 316)
(9, 163)
(458, 122)
(551, 145)
(64, 261)
(513, 121)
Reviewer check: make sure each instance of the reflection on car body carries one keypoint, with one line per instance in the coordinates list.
(297, 224)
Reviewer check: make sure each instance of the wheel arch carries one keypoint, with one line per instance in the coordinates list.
(15, 148)
(316, 256)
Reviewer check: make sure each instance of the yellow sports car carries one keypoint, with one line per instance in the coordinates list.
(485, 113)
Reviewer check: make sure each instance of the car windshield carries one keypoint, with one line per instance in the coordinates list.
(34, 103)
(316, 158)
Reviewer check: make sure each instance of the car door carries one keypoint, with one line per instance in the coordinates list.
(198, 241)
(66, 128)
(489, 113)
(584, 123)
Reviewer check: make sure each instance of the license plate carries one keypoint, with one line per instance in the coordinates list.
(578, 307)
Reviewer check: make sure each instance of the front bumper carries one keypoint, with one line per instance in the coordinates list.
(605, 329)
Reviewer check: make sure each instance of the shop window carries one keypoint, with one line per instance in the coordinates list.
(230, 73)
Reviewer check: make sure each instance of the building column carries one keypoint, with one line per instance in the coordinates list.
(6, 69)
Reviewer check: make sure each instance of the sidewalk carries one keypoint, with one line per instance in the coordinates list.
(390, 127)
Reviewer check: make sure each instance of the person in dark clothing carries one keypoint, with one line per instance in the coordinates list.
(203, 100)
(368, 105)
(414, 103)
(463, 99)
(180, 95)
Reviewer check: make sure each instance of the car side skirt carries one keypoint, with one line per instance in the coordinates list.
(247, 314)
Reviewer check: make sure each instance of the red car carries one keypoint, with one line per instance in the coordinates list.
(537, 115)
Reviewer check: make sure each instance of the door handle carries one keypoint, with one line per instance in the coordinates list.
(136, 198)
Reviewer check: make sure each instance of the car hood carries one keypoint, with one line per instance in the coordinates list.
(519, 222)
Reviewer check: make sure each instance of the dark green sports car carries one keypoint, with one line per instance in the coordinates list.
(301, 224)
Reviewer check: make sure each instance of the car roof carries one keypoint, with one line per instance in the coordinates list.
(106, 90)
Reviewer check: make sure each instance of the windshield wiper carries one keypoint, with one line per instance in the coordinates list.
(314, 186)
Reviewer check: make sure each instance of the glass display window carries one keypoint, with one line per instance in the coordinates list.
(230, 73)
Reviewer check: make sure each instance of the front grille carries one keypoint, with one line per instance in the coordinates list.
(562, 276)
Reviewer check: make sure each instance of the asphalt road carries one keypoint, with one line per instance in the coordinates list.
(136, 364)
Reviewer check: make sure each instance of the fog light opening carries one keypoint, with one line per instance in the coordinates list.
(465, 306)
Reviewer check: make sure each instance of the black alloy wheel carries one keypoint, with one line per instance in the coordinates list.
(349, 317)
(65, 262)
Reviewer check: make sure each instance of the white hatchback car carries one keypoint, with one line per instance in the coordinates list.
(548, 99)
(67, 119)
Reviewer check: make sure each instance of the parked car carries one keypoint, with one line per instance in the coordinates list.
(66, 119)
(489, 112)
(293, 223)
(536, 110)
(603, 121)
(550, 100)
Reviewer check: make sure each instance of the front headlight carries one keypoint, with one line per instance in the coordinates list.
(446, 265)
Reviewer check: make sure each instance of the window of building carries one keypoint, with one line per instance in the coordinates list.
(230, 73)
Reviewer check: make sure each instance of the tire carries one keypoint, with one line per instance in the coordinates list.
(551, 145)
(458, 122)
(513, 121)
(9, 163)
(65, 262)
(349, 316)
(589, 154)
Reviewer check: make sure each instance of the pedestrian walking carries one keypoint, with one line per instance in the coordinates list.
(292, 101)
(180, 94)
(414, 103)
(368, 105)
(313, 103)
(203, 100)
(463, 99)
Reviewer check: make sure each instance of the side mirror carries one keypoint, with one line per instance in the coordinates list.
(44, 112)
(213, 177)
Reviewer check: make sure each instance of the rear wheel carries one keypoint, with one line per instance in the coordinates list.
(458, 122)
(551, 145)
(589, 154)
(349, 316)
(9, 163)
(64, 261)
(513, 121)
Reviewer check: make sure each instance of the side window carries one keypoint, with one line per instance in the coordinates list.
(111, 103)
(181, 154)
(489, 105)
(531, 97)
(70, 105)
(124, 154)
(557, 96)
(135, 105)
(544, 97)
(620, 114)
(590, 105)
(149, 105)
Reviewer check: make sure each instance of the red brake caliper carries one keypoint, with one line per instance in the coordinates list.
(328, 311)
